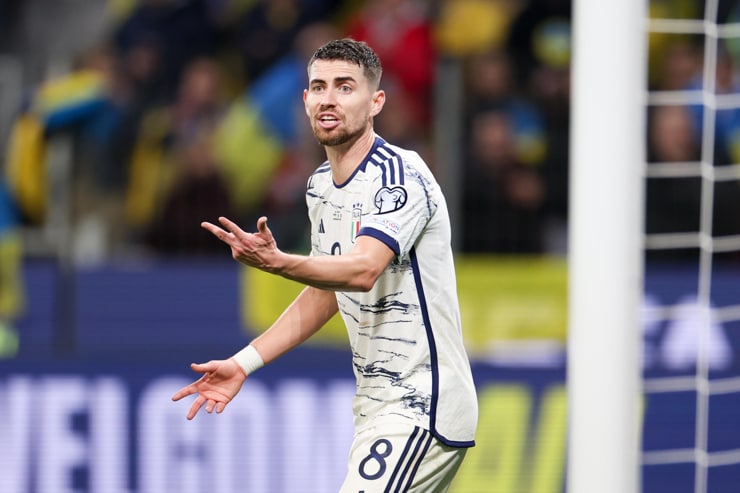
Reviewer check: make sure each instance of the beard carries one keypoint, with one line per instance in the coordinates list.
(337, 137)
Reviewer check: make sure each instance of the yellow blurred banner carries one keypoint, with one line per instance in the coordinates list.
(503, 299)
(512, 299)
(520, 444)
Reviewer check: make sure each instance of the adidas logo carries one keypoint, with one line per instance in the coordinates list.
(321, 227)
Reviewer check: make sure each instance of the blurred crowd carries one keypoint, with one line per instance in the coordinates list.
(184, 110)
(703, 133)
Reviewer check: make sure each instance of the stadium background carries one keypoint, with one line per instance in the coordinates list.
(101, 316)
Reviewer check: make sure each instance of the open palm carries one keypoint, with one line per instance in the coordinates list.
(221, 381)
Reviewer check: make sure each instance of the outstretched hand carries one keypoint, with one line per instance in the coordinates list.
(253, 249)
(221, 381)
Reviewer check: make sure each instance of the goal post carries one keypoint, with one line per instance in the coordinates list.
(605, 245)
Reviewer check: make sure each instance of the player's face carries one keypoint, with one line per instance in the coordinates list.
(340, 102)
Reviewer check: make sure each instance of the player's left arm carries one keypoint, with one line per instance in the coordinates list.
(356, 270)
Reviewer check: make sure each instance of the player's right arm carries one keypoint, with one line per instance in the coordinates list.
(221, 380)
(311, 309)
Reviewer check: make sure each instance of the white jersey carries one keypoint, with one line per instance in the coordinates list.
(405, 333)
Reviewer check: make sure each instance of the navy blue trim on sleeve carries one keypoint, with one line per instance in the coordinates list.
(380, 236)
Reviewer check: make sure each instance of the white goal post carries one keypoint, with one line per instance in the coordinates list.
(605, 245)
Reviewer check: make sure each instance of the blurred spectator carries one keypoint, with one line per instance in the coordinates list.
(470, 27)
(100, 156)
(673, 204)
(79, 104)
(503, 197)
(490, 83)
(182, 30)
(266, 33)
(727, 121)
(401, 33)
(660, 44)
(269, 29)
(678, 63)
(12, 299)
(731, 14)
(100, 161)
(198, 193)
(141, 62)
(671, 135)
(539, 41)
(540, 44)
(173, 150)
(519, 128)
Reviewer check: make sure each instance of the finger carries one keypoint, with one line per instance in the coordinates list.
(216, 231)
(210, 404)
(220, 406)
(203, 367)
(232, 227)
(197, 404)
(184, 392)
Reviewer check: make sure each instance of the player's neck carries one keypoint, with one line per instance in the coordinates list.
(344, 160)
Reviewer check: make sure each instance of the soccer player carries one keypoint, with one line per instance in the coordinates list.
(380, 254)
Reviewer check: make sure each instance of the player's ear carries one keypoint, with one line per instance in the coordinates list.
(305, 106)
(378, 102)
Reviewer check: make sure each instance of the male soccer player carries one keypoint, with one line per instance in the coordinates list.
(380, 254)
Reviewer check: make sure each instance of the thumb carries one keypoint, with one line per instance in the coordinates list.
(262, 226)
(203, 367)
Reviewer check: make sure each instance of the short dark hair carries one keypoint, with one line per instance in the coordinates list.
(350, 50)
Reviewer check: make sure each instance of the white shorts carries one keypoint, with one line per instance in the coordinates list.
(397, 458)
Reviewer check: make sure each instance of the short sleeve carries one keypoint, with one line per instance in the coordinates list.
(399, 212)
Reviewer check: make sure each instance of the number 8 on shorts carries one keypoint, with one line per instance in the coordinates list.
(392, 458)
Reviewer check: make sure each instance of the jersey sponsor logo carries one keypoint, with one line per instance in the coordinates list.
(390, 199)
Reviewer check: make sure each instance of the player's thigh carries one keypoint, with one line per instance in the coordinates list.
(400, 459)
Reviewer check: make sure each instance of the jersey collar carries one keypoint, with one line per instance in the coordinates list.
(379, 142)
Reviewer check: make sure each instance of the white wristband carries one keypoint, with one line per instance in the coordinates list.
(249, 359)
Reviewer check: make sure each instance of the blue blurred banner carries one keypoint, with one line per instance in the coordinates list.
(112, 428)
(102, 427)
